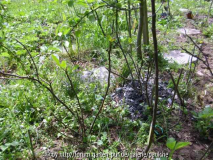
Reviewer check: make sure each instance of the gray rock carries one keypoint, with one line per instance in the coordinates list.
(87, 76)
(183, 10)
(188, 31)
(97, 75)
(178, 57)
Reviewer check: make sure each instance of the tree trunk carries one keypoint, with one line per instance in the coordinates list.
(152, 127)
(145, 24)
(140, 31)
(142, 28)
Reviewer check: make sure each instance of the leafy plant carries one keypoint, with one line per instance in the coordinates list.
(173, 145)
(204, 122)
(208, 32)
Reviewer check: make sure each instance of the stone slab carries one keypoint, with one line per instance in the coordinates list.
(188, 31)
(178, 57)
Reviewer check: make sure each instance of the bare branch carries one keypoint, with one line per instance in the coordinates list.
(107, 90)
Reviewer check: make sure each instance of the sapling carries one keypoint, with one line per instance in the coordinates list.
(173, 145)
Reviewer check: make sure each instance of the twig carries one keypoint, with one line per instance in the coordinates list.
(190, 69)
(205, 62)
(118, 8)
(79, 104)
(176, 88)
(85, 16)
(210, 146)
(175, 85)
(107, 90)
(146, 87)
(31, 145)
(119, 44)
(60, 121)
(31, 57)
(99, 22)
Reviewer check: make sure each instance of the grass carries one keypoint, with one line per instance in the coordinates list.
(44, 27)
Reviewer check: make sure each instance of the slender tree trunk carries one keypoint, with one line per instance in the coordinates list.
(142, 28)
(130, 24)
(140, 31)
(152, 127)
(145, 24)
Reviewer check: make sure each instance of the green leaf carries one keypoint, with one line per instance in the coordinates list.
(86, 12)
(66, 31)
(34, 53)
(100, 142)
(64, 17)
(90, 1)
(130, 40)
(171, 142)
(14, 143)
(180, 145)
(71, 3)
(119, 5)
(4, 54)
(91, 18)
(77, 33)
(63, 64)
(82, 3)
(4, 147)
(20, 52)
(56, 60)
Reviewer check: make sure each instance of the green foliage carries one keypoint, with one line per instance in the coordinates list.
(85, 29)
(143, 134)
(208, 32)
(204, 123)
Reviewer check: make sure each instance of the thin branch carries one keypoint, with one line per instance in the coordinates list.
(119, 43)
(79, 104)
(210, 146)
(86, 16)
(60, 121)
(176, 85)
(31, 57)
(205, 62)
(176, 88)
(118, 8)
(99, 22)
(31, 145)
(107, 90)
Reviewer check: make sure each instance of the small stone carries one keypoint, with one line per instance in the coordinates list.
(200, 73)
(170, 101)
(183, 10)
(188, 31)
